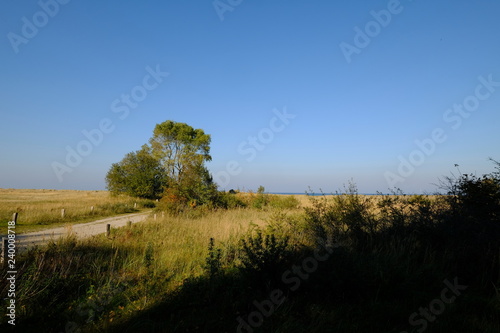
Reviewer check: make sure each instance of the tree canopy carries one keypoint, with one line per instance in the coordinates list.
(138, 174)
(179, 147)
(172, 164)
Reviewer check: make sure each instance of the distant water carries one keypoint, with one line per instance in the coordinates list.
(313, 194)
(328, 193)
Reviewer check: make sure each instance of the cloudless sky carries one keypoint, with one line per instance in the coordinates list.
(232, 68)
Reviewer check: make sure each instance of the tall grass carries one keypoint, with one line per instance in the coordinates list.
(208, 270)
(90, 282)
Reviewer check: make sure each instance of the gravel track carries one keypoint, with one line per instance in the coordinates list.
(82, 230)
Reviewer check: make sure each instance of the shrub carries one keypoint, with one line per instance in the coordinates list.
(228, 200)
(264, 257)
(173, 202)
(148, 204)
(347, 218)
(283, 202)
(117, 208)
(213, 261)
(472, 223)
(476, 197)
(260, 200)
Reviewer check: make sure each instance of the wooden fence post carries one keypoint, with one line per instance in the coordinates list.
(63, 212)
(91, 209)
(108, 229)
(135, 205)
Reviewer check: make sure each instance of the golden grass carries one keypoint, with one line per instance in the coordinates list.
(180, 244)
(177, 248)
(143, 263)
(40, 209)
(153, 258)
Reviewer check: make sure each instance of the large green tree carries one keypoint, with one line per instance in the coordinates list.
(174, 161)
(183, 151)
(180, 147)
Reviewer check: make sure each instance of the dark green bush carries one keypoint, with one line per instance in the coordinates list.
(228, 200)
(213, 264)
(148, 204)
(264, 258)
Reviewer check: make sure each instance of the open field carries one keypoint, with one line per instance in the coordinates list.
(41, 209)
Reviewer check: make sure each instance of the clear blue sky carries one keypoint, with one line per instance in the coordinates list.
(359, 100)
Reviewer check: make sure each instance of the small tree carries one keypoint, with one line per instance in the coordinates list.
(138, 174)
(261, 199)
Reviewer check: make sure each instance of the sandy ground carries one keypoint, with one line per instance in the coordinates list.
(83, 230)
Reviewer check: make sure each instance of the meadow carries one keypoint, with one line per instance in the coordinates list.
(41, 209)
(269, 263)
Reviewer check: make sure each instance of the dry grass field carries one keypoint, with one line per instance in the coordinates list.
(40, 209)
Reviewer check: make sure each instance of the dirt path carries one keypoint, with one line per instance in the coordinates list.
(82, 230)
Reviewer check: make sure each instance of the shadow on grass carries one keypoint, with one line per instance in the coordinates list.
(375, 288)
(350, 292)
(55, 284)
